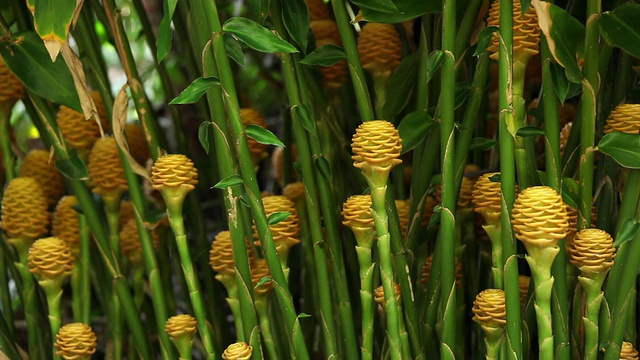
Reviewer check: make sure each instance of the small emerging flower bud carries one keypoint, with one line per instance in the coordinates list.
(238, 351)
(592, 252)
(380, 48)
(625, 118)
(489, 309)
(25, 211)
(50, 259)
(76, 341)
(37, 165)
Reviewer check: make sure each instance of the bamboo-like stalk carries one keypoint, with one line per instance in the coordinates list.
(507, 180)
(448, 220)
(9, 171)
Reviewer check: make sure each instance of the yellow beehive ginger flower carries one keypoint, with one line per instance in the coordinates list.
(286, 232)
(221, 254)
(380, 48)
(126, 212)
(592, 252)
(526, 32)
(174, 176)
(624, 118)
(66, 225)
(50, 259)
(105, 169)
(11, 88)
(378, 295)
(490, 312)
(356, 212)
(25, 213)
(260, 270)
(181, 328)
(238, 351)
(137, 141)
(130, 244)
(80, 133)
(628, 352)
(37, 165)
(295, 191)
(376, 147)
(524, 282)
(318, 10)
(486, 197)
(402, 207)
(251, 116)
(76, 341)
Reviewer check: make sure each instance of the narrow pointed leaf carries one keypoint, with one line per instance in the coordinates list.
(627, 231)
(560, 81)
(296, 21)
(414, 128)
(623, 148)
(277, 217)
(25, 54)
(52, 20)
(484, 39)
(406, 10)
(264, 280)
(529, 131)
(262, 135)
(203, 135)
(301, 113)
(165, 34)
(482, 144)
(621, 27)
(234, 49)
(231, 180)
(433, 63)
(73, 168)
(195, 90)
(259, 9)
(325, 55)
(257, 36)
(383, 6)
(401, 85)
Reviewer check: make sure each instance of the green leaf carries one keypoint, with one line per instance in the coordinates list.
(259, 9)
(462, 93)
(414, 128)
(529, 131)
(484, 39)
(25, 54)
(570, 192)
(401, 85)
(435, 218)
(277, 217)
(495, 178)
(73, 168)
(234, 49)
(244, 200)
(621, 27)
(52, 19)
(263, 281)
(628, 231)
(302, 114)
(154, 216)
(384, 6)
(525, 4)
(195, 90)
(165, 34)
(203, 135)
(325, 55)
(565, 36)
(231, 180)
(560, 81)
(433, 63)
(482, 144)
(296, 20)
(262, 135)
(303, 315)
(257, 36)
(623, 148)
(324, 168)
(407, 10)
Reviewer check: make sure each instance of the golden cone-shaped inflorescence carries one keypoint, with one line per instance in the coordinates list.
(426, 271)
(181, 326)
(11, 89)
(285, 233)
(130, 244)
(380, 48)
(526, 31)
(251, 116)
(489, 309)
(76, 341)
(37, 165)
(221, 254)
(65, 224)
(259, 270)
(466, 193)
(356, 214)
(523, 282)
(318, 10)
(378, 294)
(592, 252)
(137, 142)
(238, 351)
(540, 217)
(624, 118)
(105, 169)
(294, 191)
(174, 176)
(50, 259)
(628, 352)
(376, 147)
(24, 209)
(126, 212)
(402, 207)
(486, 197)
(78, 132)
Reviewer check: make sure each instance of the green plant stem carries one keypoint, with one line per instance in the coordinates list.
(592, 287)
(380, 81)
(447, 151)
(381, 219)
(9, 170)
(353, 59)
(588, 104)
(495, 235)
(262, 307)
(507, 175)
(363, 249)
(251, 186)
(112, 209)
(174, 211)
(53, 291)
(5, 143)
(492, 340)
